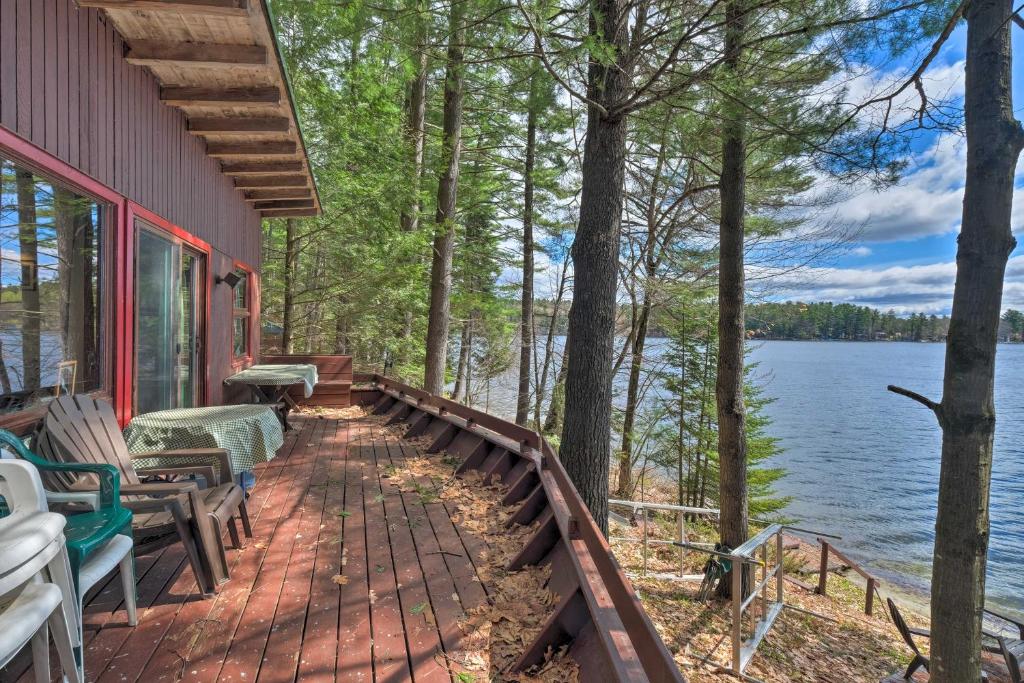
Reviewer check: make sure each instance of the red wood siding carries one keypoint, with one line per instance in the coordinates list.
(66, 89)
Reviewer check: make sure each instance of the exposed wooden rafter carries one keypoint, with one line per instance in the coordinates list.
(230, 8)
(261, 167)
(241, 125)
(184, 96)
(284, 213)
(250, 149)
(246, 182)
(160, 53)
(278, 193)
(217, 61)
(284, 204)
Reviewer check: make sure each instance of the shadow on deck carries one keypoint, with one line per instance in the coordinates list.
(360, 568)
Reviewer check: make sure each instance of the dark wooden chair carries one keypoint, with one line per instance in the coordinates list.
(1008, 647)
(919, 661)
(1013, 653)
(82, 429)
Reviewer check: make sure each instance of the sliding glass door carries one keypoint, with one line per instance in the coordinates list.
(169, 292)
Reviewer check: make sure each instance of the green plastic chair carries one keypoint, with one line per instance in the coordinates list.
(98, 539)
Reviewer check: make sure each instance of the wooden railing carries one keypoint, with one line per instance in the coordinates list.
(599, 610)
(872, 582)
(334, 386)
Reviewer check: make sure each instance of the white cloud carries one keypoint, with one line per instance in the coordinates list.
(862, 251)
(926, 202)
(927, 288)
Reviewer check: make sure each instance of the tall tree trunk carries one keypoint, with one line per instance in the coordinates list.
(586, 434)
(526, 334)
(416, 111)
(967, 412)
(72, 257)
(732, 444)
(30, 322)
(341, 340)
(549, 346)
(556, 408)
(291, 250)
(632, 397)
(439, 317)
(464, 348)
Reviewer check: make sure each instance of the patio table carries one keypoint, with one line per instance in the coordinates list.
(249, 433)
(270, 383)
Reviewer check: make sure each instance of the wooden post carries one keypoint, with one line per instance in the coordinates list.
(644, 513)
(823, 570)
(681, 522)
(869, 600)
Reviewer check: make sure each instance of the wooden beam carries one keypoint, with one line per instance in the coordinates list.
(261, 167)
(228, 8)
(250, 149)
(202, 125)
(237, 97)
(246, 182)
(285, 204)
(285, 213)
(278, 193)
(169, 53)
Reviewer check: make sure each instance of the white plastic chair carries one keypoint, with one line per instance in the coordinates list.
(36, 592)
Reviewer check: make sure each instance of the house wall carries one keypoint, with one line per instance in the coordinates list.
(66, 89)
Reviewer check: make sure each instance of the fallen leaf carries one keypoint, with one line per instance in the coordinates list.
(344, 513)
(339, 579)
(418, 609)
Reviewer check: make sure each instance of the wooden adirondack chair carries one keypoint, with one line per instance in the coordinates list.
(919, 661)
(1013, 653)
(82, 429)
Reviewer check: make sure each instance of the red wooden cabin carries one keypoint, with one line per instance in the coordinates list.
(141, 142)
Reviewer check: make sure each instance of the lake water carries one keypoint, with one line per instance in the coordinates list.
(863, 463)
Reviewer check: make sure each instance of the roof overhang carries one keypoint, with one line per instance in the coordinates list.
(219, 63)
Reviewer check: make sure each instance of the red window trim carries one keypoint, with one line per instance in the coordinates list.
(135, 211)
(252, 296)
(37, 159)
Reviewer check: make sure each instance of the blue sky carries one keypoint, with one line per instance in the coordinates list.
(903, 256)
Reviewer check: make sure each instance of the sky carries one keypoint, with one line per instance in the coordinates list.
(903, 254)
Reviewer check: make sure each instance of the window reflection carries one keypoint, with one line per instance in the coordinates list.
(49, 289)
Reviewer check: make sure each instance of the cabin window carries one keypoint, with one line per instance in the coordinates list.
(240, 315)
(50, 281)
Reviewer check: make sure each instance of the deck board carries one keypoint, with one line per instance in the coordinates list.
(325, 506)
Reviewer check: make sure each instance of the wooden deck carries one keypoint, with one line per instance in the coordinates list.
(323, 509)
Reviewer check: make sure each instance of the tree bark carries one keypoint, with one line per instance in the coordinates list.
(636, 362)
(556, 408)
(28, 247)
(526, 335)
(549, 349)
(416, 112)
(72, 258)
(967, 412)
(439, 317)
(465, 344)
(288, 314)
(732, 446)
(586, 434)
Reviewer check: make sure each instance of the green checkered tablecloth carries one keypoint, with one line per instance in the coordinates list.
(251, 434)
(270, 375)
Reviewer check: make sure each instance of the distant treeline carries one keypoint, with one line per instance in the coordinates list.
(798, 320)
(827, 320)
